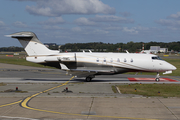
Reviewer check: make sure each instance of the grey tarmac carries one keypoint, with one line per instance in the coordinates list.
(88, 100)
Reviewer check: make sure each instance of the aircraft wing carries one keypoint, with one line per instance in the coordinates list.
(80, 73)
(86, 73)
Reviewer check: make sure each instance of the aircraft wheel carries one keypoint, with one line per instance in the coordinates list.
(88, 79)
(157, 80)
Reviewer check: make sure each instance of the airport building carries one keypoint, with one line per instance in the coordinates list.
(164, 50)
(50, 44)
(156, 49)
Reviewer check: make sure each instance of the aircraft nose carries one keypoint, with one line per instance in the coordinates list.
(170, 66)
(173, 67)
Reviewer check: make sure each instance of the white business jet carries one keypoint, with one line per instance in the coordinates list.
(89, 64)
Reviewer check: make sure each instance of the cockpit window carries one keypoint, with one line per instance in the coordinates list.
(156, 58)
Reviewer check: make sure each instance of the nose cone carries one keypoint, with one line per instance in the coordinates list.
(173, 67)
(169, 66)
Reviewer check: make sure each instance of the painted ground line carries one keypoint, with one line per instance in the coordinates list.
(11, 103)
(118, 90)
(151, 80)
(18, 118)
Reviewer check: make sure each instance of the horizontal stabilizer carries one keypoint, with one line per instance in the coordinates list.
(18, 36)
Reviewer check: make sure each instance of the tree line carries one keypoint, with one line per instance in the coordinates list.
(120, 47)
(107, 47)
(11, 49)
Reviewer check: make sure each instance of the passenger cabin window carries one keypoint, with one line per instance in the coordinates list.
(104, 60)
(125, 60)
(131, 60)
(97, 60)
(118, 60)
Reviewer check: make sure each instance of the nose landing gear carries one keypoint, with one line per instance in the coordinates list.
(157, 77)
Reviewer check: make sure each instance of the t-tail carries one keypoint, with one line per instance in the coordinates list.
(31, 44)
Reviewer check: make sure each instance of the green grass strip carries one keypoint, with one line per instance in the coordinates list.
(162, 90)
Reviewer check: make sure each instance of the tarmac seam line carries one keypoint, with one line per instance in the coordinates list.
(90, 107)
(167, 108)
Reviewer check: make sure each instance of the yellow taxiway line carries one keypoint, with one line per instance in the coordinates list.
(11, 103)
(36, 94)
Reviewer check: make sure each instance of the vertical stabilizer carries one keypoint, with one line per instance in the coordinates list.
(31, 44)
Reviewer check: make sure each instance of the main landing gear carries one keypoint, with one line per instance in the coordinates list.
(157, 77)
(89, 78)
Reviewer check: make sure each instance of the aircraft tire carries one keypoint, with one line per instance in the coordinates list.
(157, 79)
(88, 79)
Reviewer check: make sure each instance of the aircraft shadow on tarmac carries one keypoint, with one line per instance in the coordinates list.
(123, 80)
(49, 80)
(74, 80)
(100, 80)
